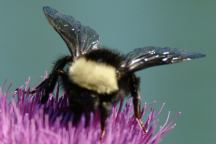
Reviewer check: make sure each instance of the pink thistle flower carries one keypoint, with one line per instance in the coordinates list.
(24, 121)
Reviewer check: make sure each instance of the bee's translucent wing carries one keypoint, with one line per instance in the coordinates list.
(79, 39)
(142, 58)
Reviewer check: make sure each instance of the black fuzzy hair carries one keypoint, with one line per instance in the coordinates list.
(105, 56)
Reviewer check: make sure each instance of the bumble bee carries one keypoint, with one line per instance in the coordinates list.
(93, 77)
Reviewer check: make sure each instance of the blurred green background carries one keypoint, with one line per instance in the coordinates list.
(28, 46)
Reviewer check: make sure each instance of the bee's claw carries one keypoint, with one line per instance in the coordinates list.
(33, 91)
(102, 135)
(142, 126)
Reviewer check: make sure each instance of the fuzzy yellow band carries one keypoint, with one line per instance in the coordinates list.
(94, 76)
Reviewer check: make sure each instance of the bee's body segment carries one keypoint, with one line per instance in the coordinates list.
(94, 78)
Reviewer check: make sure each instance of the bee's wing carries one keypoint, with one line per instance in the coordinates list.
(142, 58)
(79, 39)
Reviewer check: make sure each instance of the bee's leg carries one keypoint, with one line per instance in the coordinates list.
(135, 92)
(47, 86)
(105, 109)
